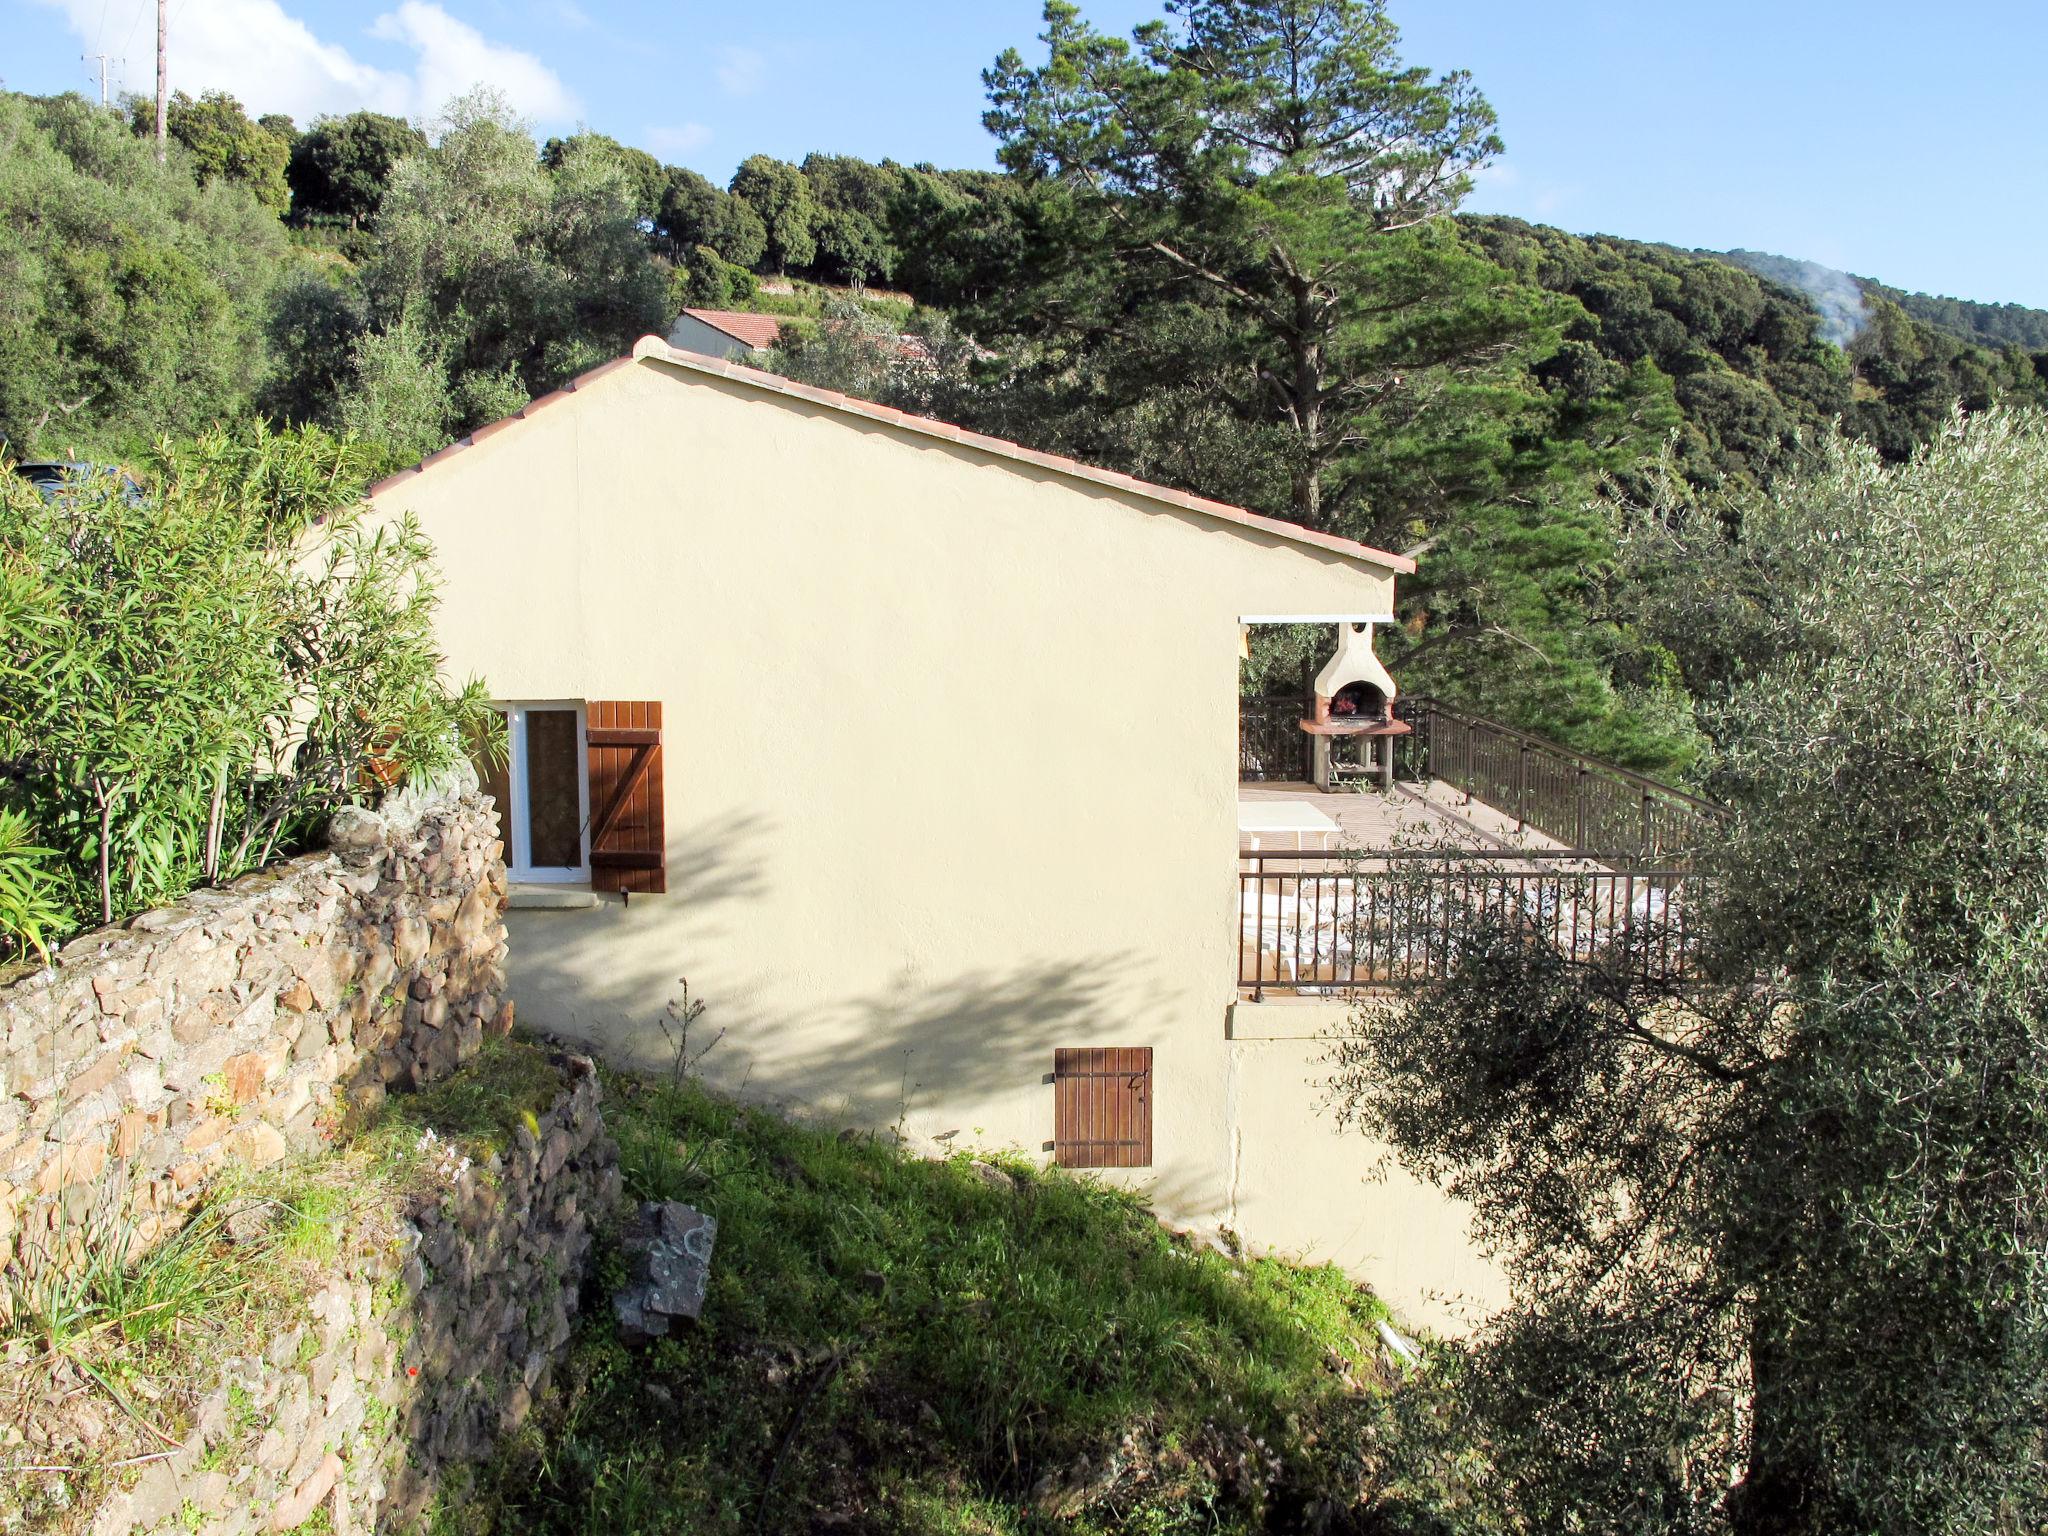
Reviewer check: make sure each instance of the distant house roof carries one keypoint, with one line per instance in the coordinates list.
(748, 330)
(656, 349)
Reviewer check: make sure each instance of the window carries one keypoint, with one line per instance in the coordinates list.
(1102, 1107)
(543, 792)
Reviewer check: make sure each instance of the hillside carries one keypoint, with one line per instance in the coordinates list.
(1748, 345)
(1484, 387)
(1840, 298)
(894, 1344)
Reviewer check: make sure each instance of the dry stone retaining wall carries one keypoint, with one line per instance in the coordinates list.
(233, 1026)
(414, 1358)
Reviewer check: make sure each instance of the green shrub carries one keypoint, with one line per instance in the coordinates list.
(194, 674)
(31, 911)
(706, 280)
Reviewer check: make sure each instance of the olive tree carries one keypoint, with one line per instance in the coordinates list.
(501, 274)
(1779, 1239)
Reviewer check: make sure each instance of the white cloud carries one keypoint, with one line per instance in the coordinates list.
(1498, 187)
(740, 70)
(273, 62)
(453, 56)
(673, 141)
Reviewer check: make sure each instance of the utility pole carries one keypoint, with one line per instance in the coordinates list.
(103, 60)
(163, 85)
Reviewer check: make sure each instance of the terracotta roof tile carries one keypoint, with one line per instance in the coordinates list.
(753, 330)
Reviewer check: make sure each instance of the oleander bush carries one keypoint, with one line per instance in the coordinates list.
(198, 664)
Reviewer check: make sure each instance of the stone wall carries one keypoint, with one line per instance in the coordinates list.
(413, 1357)
(241, 1023)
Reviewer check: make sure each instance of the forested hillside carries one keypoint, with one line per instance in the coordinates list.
(1986, 325)
(1482, 391)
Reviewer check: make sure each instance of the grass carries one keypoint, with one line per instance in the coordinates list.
(890, 1345)
(107, 1359)
(120, 1293)
(506, 1085)
(808, 301)
(897, 1345)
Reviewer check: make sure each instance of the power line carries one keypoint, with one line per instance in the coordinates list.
(141, 6)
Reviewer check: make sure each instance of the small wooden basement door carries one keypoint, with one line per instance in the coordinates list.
(1102, 1107)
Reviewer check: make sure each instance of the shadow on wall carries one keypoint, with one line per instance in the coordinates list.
(972, 1039)
(977, 1039)
(871, 1057)
(711, 864)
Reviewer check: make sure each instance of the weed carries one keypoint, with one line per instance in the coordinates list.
(379, 1419)
(676, 1018)
(218, 1100)
(116, 1283)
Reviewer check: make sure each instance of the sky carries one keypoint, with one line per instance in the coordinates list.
(1904, 142)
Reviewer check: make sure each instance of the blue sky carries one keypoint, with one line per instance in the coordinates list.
(1903, 142)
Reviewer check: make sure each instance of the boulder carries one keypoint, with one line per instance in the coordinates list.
(668, 1254)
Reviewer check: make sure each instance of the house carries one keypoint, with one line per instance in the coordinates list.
(725, 333)
(915, 752)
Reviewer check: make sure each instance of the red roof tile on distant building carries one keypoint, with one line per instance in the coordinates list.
(750, 330)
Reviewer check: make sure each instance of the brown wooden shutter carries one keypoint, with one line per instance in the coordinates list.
(628, 844)
(1102, 1107)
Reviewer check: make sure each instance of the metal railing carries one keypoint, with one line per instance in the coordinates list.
(1271, 745)
(1578, 800)
(1319, 924)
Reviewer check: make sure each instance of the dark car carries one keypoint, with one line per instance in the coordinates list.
(51, 476)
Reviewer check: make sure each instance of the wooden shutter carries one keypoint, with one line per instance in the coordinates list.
(1102, 1107)
(628, 843)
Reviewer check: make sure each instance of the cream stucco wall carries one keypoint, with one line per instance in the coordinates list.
(1302, 1184)
(950, 756)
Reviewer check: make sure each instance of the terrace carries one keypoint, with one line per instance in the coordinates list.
(1345, 891)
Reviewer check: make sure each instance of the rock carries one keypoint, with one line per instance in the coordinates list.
(249, 1223)
(518, 1402)
(408, 942)
(244, 1074)
(129, 1134)
(295, 1509)
(258, 1145)
(355, 830)
(668, 1249)
(1000, 1180)
(74, 1164)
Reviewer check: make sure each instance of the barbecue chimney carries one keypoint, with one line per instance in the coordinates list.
(1355, 697)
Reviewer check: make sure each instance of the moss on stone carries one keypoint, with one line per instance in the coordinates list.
(510, 1083)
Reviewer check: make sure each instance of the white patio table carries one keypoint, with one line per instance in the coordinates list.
(1260, 823)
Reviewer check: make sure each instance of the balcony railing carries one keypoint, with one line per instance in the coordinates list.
(1319, 924)
(1578, 800)
(1271, 745)
(1574, 799)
